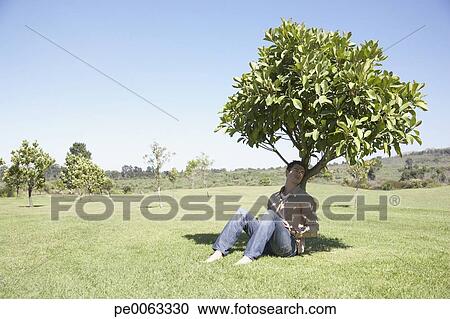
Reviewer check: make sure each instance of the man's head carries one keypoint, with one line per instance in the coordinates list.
(295, 172)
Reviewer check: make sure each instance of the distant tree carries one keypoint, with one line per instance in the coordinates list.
(157, 158)
(127, 171)
(439, 175)
(359, 174)
(53, 172)
(28, 166)
(191, 171)
(107, 185)
(410, 171)
(374, 165)
(409, 163)
(13, 178)
(173, 176)
(127, 189)
(204, 166)
(113, 174)
(2, 168)
(80, 149)
(81, 174)
(326, 95)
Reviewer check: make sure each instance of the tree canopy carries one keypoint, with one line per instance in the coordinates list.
(28, 166)
(80, 149)
(326, 95)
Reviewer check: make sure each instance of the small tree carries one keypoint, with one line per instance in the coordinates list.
(2, 162)
(191, 171)
(359, 174)
(108, 185)
(28, 166)
(80, 149)
(173, 176)
(81, 174)
(159, 155)
(13, 179)
(204, 166)
(324, 94)
(374, 165)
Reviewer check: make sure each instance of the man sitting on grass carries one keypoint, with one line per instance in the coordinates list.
(281, 230)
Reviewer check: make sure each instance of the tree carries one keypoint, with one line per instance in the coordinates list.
(28, 166)
(107, 185)
(191, 171)
(324, 94)
(204, 166)
(13, 178)
(359, 174)
(374, 165)
(53, 172)
(81, 174)
(80, 149)
(2, 168)
(173, 176)
(159, 155)
(411, 171)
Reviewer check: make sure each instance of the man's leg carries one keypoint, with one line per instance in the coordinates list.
(259, 239)
(282, 243)
(242, 220)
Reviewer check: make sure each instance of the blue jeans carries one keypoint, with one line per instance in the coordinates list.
(267, 235)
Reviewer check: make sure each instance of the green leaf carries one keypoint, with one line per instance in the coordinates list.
(356, 100)
(323, 99)
(422, 105)
(397, 149)
(297, 104)
(311, 120)
(269, 100)
(357, 144)
(371, 93)
(317, 88)
(315, 135)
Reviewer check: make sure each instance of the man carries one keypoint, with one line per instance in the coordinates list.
(281, 230)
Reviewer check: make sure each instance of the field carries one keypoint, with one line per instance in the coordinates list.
(406, 256)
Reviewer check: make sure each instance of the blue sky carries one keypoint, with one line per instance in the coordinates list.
(182, 55)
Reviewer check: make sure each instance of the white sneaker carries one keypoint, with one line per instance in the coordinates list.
(244, 260)
(215, 256)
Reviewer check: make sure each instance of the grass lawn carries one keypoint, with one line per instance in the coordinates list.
(406, 256)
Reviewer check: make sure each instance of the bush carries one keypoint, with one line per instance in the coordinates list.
(390, 185)
(6, 191)
(127, 189)
(265, 181)
(387, 186)
(418, 183)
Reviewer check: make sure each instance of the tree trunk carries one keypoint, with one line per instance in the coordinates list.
(159, 195)
(303, 183)
(206, 186)
(30, 202)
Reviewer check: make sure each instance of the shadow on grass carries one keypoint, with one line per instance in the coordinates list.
(323, 243)
(312, 245)
(34, 206)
